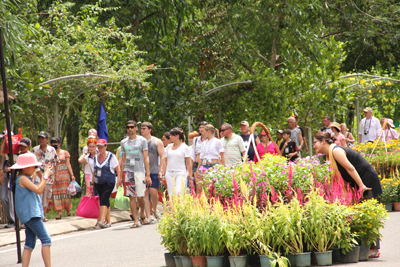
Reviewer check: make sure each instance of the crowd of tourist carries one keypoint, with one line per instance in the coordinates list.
(143, 162)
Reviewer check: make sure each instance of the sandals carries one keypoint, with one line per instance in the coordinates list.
(144, 221)
(58, 217)
(135, 225)
(376, 255)
(69, 213)
(45, 219)
(97, 226)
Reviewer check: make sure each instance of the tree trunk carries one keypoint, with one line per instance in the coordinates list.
(274, 43)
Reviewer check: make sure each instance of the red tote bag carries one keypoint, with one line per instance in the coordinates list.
(15, 142)
(89, 207)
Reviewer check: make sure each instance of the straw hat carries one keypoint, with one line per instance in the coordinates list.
(25, 161)
(336, 125)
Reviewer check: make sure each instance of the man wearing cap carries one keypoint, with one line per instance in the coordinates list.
(233, 145)
(369, 126)
(244, 128)
(136, 170)
(45, 154)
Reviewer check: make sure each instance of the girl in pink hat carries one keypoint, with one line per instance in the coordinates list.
(29, 207)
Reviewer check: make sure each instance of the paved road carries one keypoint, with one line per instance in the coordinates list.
(115, 246)
(121, 246)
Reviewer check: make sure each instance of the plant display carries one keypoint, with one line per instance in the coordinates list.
(368, 218)
(390, 190)
(327, 224)
(384, 158)
(198, 225)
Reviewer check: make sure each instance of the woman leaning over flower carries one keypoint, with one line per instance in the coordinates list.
(353, 168)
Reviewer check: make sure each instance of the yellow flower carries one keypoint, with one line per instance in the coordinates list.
(362, 81)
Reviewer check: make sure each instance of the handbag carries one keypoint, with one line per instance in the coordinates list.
(15, 142)
(121, 202)
(89, 207)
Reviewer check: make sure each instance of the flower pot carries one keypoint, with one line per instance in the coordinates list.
(215, 261)
(303, 259)
(364, 253)
(291, 258)
(265, 261)
(351, 256)
(187, 261)
(238, 261)
(336, 255)
(324, 258)
(178, 261)
(200, 261)
(389, 207)
(396, 206)
(169, 259)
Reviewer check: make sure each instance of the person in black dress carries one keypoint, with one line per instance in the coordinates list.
(354, 169)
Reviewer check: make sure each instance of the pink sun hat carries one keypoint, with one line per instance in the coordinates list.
(25, 161)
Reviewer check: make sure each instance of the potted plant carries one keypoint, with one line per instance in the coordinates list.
(260, 235)
(168, 239)
(326, 224)
(214, 243)
(232, 234)
(288, 221)
(388, 193)
(368, 218)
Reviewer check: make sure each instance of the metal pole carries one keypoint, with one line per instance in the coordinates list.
(190, 129)
(10, 155)
(358, 118)
(310, 142)
(56, 116)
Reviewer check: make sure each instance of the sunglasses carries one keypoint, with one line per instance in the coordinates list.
(130, 127)
(223, 130)
(203, 123)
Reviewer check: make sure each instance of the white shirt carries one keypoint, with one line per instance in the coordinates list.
(196, 147)
(388, 134)
(89, 167)
(368, 129)
(176, 159)
(211, 149)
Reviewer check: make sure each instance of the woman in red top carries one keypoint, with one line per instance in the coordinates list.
(265, 146)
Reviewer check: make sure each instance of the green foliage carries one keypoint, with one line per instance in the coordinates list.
(369, 217)
(326, 224)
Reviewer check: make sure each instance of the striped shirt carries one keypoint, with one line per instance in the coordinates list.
(234, 147)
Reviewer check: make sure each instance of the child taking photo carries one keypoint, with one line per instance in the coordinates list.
(29, 208)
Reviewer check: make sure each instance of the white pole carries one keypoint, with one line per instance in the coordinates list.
(358, 118)
(310, 142)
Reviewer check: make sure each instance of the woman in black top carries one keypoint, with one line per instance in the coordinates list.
(354, 169)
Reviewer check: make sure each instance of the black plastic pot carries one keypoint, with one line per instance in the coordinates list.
(351, 256)
(169, 259)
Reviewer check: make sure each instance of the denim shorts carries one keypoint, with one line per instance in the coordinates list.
(155, 182)
(195, 165)
(209, 165)
(34, 228)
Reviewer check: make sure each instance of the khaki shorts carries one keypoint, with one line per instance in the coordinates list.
(46, 195)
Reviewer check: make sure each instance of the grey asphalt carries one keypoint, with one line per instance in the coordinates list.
(121, 246)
